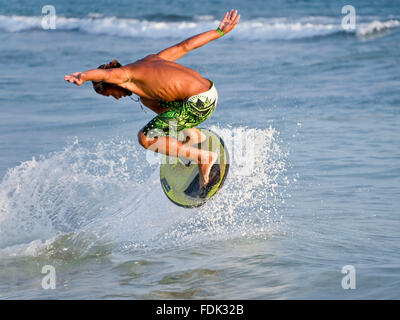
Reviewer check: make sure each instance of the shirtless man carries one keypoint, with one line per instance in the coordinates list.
(181, 97)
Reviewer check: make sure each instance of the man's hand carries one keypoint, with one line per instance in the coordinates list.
(179, 50)
(229, 22)
(75, 78)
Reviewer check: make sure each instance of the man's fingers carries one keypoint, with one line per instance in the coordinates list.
(234, 15)
(71, 79)
(237, 19)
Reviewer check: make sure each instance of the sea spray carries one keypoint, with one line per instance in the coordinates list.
(108, 192)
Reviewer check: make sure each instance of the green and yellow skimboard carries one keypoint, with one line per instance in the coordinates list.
(180, 178)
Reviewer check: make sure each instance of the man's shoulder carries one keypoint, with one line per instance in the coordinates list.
(138, 69)
(142, 62)
(151, 57)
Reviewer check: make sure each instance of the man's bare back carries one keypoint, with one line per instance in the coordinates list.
(159, 79)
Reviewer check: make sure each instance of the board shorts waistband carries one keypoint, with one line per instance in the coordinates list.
(183, 114)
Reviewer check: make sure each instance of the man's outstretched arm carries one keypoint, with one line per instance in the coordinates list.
(115, 76)
(179, 50)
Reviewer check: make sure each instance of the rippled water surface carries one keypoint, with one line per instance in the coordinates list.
(320, 105)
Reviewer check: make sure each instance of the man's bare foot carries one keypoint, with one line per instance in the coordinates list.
(205, 168)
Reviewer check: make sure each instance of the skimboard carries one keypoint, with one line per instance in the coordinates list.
(180, 178)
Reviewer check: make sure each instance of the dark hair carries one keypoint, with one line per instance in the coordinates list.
(99, 87)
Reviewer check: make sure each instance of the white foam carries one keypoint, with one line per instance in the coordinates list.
(256, 29)
(65, 191)
(377, 27)
(247, 205)
(106, 191)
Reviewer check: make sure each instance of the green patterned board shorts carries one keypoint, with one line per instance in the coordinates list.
(182, 114)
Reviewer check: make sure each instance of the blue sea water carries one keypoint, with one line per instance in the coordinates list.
(320, 105)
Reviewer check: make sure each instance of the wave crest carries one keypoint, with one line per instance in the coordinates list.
(171, 26)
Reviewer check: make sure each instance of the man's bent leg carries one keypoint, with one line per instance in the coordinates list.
(173, 147)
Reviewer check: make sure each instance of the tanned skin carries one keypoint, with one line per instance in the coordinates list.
(157, 77)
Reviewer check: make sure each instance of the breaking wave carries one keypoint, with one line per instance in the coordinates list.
(171, 26)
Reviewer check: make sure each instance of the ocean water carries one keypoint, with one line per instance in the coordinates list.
(310, 113)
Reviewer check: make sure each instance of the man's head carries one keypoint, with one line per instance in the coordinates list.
(109, 89)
